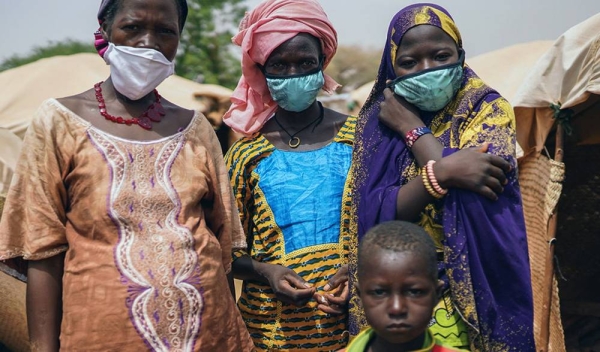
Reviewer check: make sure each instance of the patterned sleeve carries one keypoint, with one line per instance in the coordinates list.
(34, 216)
(236, 160)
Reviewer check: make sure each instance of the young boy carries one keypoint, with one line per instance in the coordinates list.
(398, 287)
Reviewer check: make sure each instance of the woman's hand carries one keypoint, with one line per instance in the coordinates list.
(336, 301)
(475, 170)
(398, 114)
(288, 286)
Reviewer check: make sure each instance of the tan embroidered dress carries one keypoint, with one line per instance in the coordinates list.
(148, 228)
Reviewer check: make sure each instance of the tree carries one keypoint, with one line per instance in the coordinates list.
(206, 53)
(67, 47)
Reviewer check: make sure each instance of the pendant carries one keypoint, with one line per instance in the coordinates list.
(145, 123)
(153, 114)
(292, 144)
(159, 108)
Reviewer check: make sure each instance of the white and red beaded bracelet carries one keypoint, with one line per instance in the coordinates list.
(414, 134)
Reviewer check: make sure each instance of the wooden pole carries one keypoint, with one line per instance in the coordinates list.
(549, 271)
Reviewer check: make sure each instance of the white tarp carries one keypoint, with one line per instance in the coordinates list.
(569, 74)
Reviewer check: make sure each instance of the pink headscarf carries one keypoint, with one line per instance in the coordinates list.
(261, 31)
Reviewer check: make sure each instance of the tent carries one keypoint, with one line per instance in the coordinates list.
(10, 147)
(13, 322)
(359, 96)
(504, 69)
(13, 326)
(558, 126)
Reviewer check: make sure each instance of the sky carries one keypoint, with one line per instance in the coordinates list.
(485, 25)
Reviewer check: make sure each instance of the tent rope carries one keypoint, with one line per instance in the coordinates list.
(563, 116)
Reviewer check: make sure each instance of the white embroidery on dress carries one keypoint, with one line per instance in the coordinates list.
(154, 254)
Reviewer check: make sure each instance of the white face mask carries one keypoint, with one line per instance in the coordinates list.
(135, 72)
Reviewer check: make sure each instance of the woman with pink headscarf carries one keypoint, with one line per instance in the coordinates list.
(290, 180)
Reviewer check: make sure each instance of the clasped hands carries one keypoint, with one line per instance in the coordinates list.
(290, 288)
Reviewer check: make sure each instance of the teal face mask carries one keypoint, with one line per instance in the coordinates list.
(295, 93)
(432, 89)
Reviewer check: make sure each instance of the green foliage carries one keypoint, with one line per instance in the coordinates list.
(206, 50)
(67, 47)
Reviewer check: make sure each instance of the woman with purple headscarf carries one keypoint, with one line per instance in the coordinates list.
(436, 146)
(122, 207)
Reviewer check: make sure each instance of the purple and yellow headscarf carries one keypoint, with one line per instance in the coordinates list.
(485, 263)
(419, 14)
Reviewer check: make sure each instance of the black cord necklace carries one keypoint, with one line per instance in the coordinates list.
(294, 141)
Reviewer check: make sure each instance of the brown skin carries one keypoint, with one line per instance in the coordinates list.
(138, 23)
(424, 47)
(398, 294)
(43, 302)
(301, 54)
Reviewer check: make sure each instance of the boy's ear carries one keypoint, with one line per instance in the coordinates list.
(438, 289)
(357, 286)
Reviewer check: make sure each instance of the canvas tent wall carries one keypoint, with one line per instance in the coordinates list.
(13, 326)
(558, 114)
(506, 68)
(10, 147)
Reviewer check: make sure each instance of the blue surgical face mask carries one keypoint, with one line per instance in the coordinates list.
(431, 89)
(296, 93)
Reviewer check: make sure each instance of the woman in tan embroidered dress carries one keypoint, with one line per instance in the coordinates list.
(122, 205)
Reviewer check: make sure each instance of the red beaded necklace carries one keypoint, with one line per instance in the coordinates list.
(154, 113)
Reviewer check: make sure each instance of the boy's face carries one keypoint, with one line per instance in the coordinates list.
(398, 295)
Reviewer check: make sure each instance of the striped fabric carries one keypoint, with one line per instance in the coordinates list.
(274, 325)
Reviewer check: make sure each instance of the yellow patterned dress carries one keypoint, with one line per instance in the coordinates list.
(295, 210)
